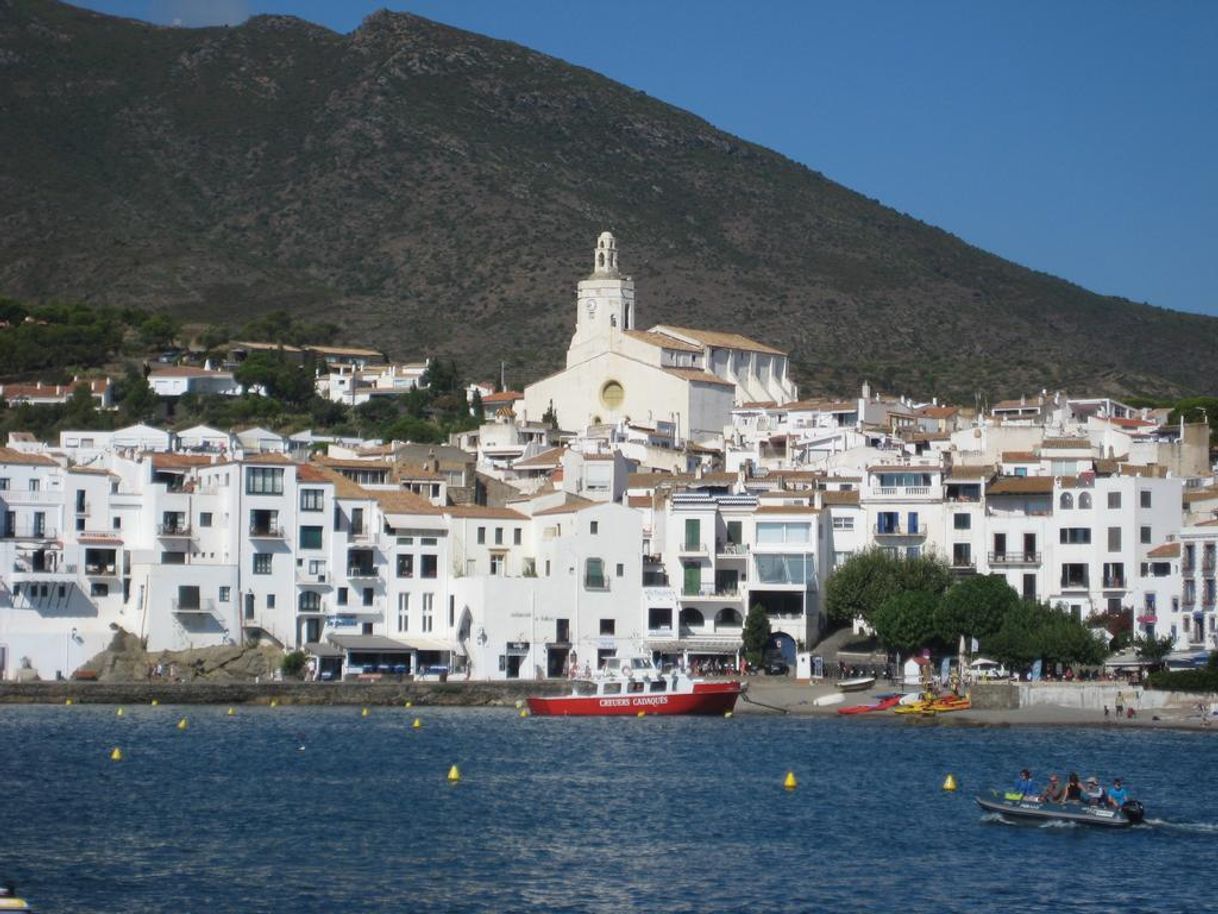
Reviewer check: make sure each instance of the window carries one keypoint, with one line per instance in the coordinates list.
(621, 569)
(1066, 502)
(843, 523)
(1084, 501)
(693, 533)
(205, 518)
(428, 599)
(311, 499)
(428, 566)
(262, 562)
(594, 575)
(310, 601)
(81, 506)
(357, 521)
(794, 568)
(173, 558)
(97, 589)
(405, 566)
(342, 596)
(962, 521)
(481, 535)
(263, 481)
(3, 483)
(225, 594)
(310, 537)
(270, 601)
(403, 612)
(594, 527)
(779, 533)
(1075, 535)
(80, 524)
(368, 595)
(1114, 539)
(35, 484)
(962, 555)
(1074, 575)
(1114, 500)
(1146, 535)
(516, 537)
(608, 626)
(117, 523)
(497, 565)
(498, 536)
(1144, 498)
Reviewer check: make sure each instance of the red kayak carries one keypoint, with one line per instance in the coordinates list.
(882, 705)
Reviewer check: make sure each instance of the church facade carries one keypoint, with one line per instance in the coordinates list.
(692, 378)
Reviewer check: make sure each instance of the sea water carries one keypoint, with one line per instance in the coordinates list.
(326, 810)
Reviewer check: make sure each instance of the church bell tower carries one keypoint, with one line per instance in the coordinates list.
(604, 304)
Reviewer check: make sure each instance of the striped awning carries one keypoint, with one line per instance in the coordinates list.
(696, 645)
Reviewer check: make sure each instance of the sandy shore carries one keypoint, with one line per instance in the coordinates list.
(797, 698)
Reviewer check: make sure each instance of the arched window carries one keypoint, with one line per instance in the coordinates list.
(1084, 500)
(310, 601)
(600, 259)
(1067, 501)
(728, 618)
(692, 618)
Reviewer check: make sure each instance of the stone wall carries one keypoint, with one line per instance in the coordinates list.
(994, 696)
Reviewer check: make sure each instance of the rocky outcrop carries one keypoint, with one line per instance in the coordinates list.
(126, 660)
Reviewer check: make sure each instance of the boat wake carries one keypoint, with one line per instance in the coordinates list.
(1196, 828)
(997, 818)
(1054, 823)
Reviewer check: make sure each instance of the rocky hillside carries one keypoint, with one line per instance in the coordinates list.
(442, 191)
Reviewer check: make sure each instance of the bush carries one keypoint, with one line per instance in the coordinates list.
(1185, 680)
(293, 664)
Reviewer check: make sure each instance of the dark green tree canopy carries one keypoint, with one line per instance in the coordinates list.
(906, 621)
(756, 633)
(860, 586)
(976, 607)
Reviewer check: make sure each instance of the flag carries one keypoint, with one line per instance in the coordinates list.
(1036, 668)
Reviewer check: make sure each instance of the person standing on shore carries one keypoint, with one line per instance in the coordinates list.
(1120, 704)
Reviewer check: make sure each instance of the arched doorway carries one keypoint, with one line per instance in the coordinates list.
(780, 644)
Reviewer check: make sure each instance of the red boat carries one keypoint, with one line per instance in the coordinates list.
(883, 703)
(630, 686)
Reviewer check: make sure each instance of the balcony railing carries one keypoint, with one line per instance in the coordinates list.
(707, 592)
(733, 549)
(1207, 567)
(29, 532)
(321, 609)
(100, 570)
(315, 577)
(1114, 582)
(1189, 599)
(25, 566)
(697, 548)
(193, 607)
(1014, 558)
(1075, 584)
(361, 571)
(1188, 567)
(266, 531)
(599, 584)
(898, 530)
(171, 531)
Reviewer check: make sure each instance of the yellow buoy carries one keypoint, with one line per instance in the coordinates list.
(274, 702)
(119, 713)
(232, 712)
(417, 725)
(155, 702)
(727, 713)
(519, 703)
(790, 783)
(950, 783)
(409, 704)
(182, 724)
(363, 713)
(454, 774)
(641, 714)
(67, 701)
(116, 754)
(524, 712)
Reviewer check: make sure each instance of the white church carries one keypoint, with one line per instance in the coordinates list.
(692, 378)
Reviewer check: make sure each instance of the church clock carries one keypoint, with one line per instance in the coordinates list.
(590, 304)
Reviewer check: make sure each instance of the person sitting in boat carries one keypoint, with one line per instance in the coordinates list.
(1074, 790)
(1117, 794)
(1054, 791)
(1093, 793)
(1024, 786)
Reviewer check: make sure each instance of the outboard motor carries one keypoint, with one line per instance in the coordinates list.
(1133, 811)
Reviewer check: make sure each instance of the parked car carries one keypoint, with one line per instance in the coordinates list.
(776, 667)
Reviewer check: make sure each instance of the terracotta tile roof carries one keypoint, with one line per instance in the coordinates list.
(718, 339)
(1200, 495)
(662, 340)
(91, 471)
(1019, 457)
(695, 374)
(1062, 444)
(504, 396)
(351, 463)
(1020, 485)
(787, 509)
(484, 511)
(399, 501)
(188, 371)
(247, 344)
(307, 472)
(272, 458)
(344, 350)
(963, 472)
(638, 501)
(1132, 423)
(1016, 404)
(542, 461)
(1141, 469)
(840, 498)
(1166, 551)
(408, 471)
(573, 503)
(177, 461)
(937, 412)
(651, 480)
(12, 457)
(758, 404)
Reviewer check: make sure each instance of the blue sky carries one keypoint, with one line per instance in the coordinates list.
(1077, 137)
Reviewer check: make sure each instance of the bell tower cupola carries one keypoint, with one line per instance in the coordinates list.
(605, 263)
(604, 305)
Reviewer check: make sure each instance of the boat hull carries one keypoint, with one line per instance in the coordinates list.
(861, 684)
(1035, 811)
(706, 698)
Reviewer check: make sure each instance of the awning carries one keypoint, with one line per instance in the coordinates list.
(696, 645)
(321, 651)
(1147, 620)
(438, 644)
(374, 643)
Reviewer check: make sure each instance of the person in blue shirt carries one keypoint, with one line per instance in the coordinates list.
(1024, 785)
(1117, 794)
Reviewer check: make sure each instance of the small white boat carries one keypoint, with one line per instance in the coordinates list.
(826, 701)
(859, 684)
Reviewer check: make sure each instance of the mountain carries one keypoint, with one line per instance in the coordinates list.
(438, 192)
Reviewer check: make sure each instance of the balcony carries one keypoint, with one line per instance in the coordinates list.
(312, 579)
(902, 491)
(30, 571)
(1189, 599)
(1207, 568)
(361, 571)
(30, 532)
(732, 550)
(360, 535)
(266, 532)
(1114, 582)
(99, 536)
(1075, 584)
(101, 570)
(1188, 567)
(964, 566)
(898, 530)
(692, 549)
(708, 593)
(321, 609)
(1014, 558)
(174, 531)
(188, 607)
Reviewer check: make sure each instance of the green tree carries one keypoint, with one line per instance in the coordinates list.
(860, 586)
(550, 417)
(756, 634)
(1154, 650)
(158, 331)
(975, 607)
(906, 621)
(475, 405)
(135, 398)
